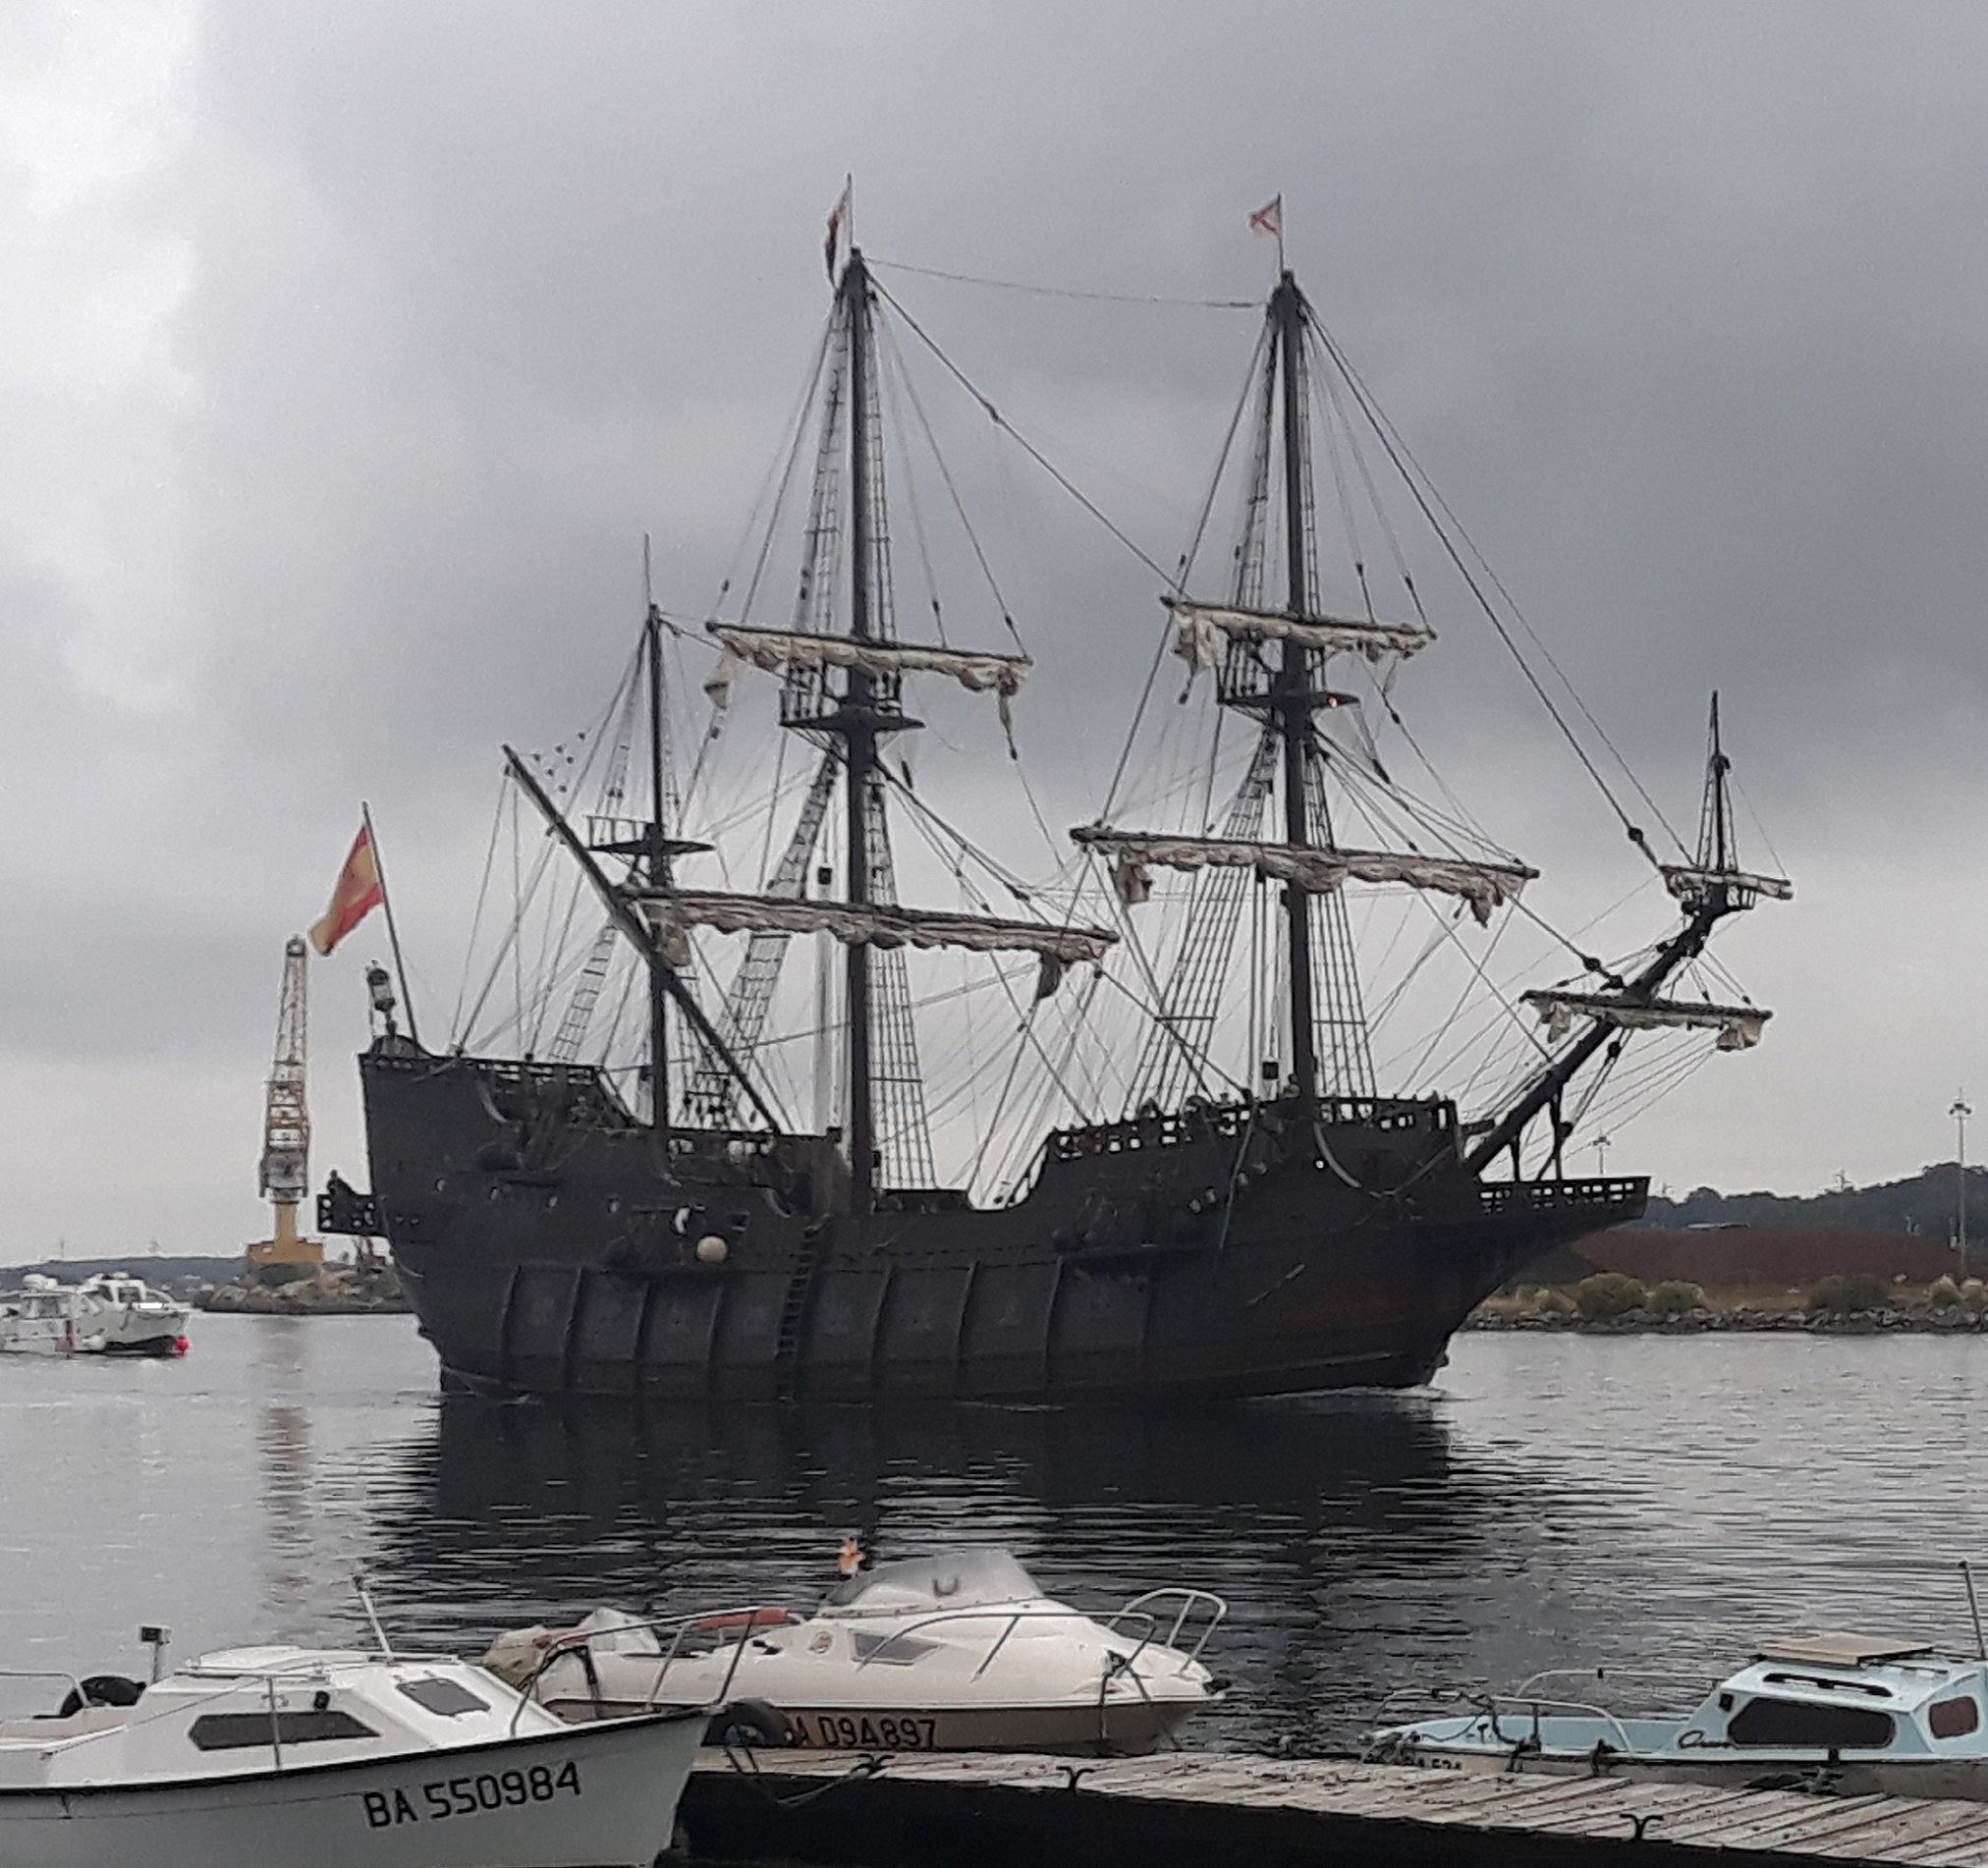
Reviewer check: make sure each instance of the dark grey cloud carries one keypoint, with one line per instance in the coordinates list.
(356, 346)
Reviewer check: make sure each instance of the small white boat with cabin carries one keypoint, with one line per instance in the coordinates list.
(1840, 1713)
(321, 1759)
(957, 1652)
(111, 1314)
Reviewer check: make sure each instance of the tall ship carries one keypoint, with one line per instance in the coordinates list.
(1181, 1176)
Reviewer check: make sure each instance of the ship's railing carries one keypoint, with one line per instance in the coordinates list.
(1230, 1122)
(1495, 1196)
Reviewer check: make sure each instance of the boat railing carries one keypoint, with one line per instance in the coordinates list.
(1188, 1602)
(261, 1688)
(671, 1633)
(1648, 1675)
(1527, 1705)
(51, 1674)
(1536, 1708)
(681, 1628)
(1011, 1616)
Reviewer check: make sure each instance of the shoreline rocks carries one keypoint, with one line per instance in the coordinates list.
(1890, 1321)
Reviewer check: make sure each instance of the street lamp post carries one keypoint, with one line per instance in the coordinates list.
(1601, 1148)
(1959, 1112)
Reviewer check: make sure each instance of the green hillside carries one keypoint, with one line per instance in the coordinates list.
(1924, 1205)
(156, 1271)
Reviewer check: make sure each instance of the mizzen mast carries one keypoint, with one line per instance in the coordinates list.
(651, 851)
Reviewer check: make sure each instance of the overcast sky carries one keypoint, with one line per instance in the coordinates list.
(347, 351)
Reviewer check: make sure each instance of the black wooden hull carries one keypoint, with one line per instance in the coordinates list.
(551, 1245)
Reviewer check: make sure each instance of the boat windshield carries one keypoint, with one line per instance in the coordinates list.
(953, 1579)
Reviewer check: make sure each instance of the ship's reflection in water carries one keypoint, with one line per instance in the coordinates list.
(1559, 1501)
(1354, 1546)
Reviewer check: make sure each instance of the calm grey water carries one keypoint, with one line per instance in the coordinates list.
(1558, 1500)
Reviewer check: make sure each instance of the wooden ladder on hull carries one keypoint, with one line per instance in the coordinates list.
(796, 1311)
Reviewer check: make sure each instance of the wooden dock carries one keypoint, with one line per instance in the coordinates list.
(971, 1811)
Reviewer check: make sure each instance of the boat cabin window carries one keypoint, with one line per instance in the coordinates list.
(958, 1579)
(236, 1732)
(889, 1650)
(1954, 1718)
(445, 1696)
(1793, 1723)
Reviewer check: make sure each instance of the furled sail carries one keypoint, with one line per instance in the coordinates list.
(1485, 886)
(1738, 1027)
(1201, 630)
(1690, 884)
(776, 649)
(673, 912)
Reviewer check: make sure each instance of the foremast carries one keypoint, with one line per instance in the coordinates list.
(1709, 889)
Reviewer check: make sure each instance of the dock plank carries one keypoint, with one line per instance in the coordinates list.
(1959, 1852)
(1606, 1812)
(1762, 1818)
(1965, 1827)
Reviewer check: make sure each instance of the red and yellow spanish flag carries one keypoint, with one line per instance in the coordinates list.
(354, 896)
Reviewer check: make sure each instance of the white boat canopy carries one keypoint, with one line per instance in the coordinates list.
(1201, 630)
(1738, 1027)
(1485, 886)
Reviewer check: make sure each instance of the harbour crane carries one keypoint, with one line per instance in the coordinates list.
(285, 1177)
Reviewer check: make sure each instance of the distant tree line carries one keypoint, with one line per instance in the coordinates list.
(157, 1270)
(1924, 1205)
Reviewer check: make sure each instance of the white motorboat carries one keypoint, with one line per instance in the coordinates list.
(111, 1314)
(955, 1652)
(333, 1760)
(1839, 1713)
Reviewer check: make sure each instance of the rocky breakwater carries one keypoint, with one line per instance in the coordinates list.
(1612, 1303)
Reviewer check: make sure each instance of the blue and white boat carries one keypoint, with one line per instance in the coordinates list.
(1837, 1712)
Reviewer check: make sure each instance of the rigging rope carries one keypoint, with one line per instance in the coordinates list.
(1022, 441)
(1068, 292)
(952, 490)
(1431, 502)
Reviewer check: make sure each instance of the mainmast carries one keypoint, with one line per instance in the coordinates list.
(859, 736)
(1291, 692)
(841, 671)
(656, 871)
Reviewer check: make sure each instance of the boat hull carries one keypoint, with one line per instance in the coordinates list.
(1119, 1729)
(551, 1245)
(598, 1796)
